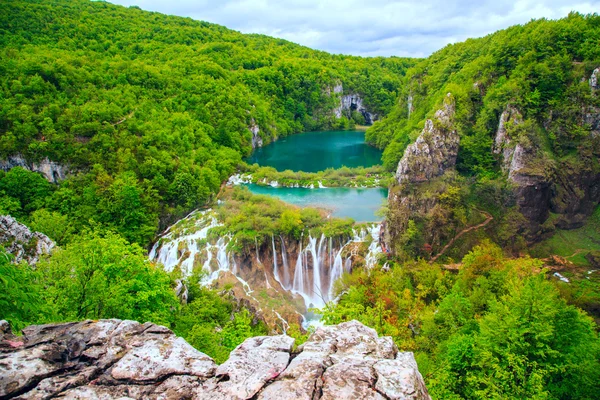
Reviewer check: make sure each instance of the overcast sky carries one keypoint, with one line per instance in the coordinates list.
(368, 27)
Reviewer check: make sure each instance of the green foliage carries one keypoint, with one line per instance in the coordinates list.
(541, 68)
(23, 191)
(342, 177)
(498, 329)
(103, 276)
(162, 105)
(53, 224)
(21, 303)
(255, 219)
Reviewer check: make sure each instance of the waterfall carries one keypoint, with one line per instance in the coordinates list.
(319, 263)
(374, 247)
(275, 269)
(166, 250)
(336, 271)
(298, 284)
(256, 247)
(286, 266)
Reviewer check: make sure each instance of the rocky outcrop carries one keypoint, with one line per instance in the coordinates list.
(503, 143)
(114, 359)
(349, 103)
(592, 114)
(435, 150)
(23, 244)
(257, 140)
(571, 191)
(521, 163)
(594, 80)
(52, 171)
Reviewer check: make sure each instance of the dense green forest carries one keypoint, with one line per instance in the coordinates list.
(152, 113)
(155, 110)
(541, 71)
(542, 68)
(497, 329)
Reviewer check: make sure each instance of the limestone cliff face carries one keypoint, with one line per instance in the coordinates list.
(502, 142)
(434, 151)
(114, 359)
(23, 244)
(595, 79)
(52, 171)
(523, 163)
(257, 140)
(349, 103)
(432, 157)
(592, 114)
(570, 189)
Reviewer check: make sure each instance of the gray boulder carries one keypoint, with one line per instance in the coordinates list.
(23, 244)
(114, 359)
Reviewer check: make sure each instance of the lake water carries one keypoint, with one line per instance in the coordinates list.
(357, 203)
(317, 151)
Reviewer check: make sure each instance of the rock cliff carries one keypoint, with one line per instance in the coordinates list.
(349, 103)
(52, 171)
(434, 151)
(526, 169)
(114, 359)
(570, 189)
(257, 140)
(23, 244)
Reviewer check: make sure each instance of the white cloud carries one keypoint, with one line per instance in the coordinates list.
(369, 28)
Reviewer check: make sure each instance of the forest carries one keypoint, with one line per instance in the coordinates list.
(151, 114)
(156, 110)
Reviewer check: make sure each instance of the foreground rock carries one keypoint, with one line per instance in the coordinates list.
(114, 359)
(23, 244)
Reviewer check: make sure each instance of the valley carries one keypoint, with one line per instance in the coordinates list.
(220, 188)
(298, 268)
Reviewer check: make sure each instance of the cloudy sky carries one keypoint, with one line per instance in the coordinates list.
(369, 27)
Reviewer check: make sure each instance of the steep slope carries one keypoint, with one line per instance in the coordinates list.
(526, 114)
(166, 106)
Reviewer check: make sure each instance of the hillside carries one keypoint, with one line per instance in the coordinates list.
(160, 107)
(516, 121)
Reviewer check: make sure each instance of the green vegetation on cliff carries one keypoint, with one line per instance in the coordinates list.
(527, 113)
(541, 68)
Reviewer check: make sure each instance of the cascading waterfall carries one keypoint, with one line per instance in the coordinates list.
(319, 263)
(275, 269)
(286, 266)
(166, 250)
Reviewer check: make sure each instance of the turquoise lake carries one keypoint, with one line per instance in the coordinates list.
(356, 203)
(317, 151)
